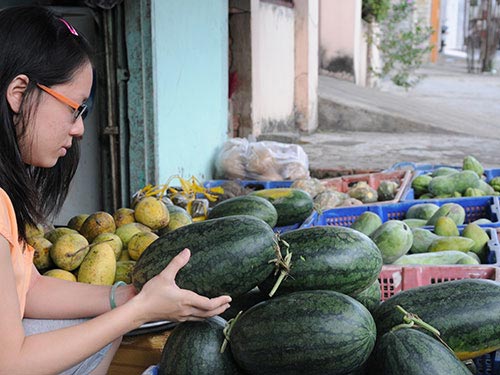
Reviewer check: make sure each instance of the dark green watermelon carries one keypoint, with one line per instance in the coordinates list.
(229, 256)
(311, 332)
(193, 348)
(328, 257)
(411, 352)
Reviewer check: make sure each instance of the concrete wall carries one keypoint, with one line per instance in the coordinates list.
(190, 44)
(273, 68)
(337, 30)
(306, 64)
(453, 17)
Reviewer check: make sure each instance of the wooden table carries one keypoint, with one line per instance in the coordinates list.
(137, 353)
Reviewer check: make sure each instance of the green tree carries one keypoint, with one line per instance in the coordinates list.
(403, 44)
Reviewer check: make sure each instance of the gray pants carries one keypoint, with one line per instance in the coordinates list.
(34, 326)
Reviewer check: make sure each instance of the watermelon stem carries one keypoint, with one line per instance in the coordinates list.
(411, 320)
(283, 265)
(227, 331)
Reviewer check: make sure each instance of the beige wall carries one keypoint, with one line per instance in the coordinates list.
(306, 64)
(337, 27)
(273, 67)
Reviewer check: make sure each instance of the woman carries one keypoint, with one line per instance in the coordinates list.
(45, 80)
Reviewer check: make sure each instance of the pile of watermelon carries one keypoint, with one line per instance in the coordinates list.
(308, 302)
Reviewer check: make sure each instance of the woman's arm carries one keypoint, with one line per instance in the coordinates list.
(52, 298)
(52, 352)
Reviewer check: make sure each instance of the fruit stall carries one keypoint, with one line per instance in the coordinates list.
(386, 272)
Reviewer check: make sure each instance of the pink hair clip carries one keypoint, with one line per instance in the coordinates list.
(70, 28)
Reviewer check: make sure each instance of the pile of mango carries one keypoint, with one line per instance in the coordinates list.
(447, 182)
(101, 248)
(429, 234)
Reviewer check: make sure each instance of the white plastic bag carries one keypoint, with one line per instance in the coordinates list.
(264, 160)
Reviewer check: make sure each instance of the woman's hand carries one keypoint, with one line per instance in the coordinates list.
(162, 299)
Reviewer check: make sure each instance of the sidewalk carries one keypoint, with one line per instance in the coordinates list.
(449, 115)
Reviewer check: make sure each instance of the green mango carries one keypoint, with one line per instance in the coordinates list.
(471, 192)
(367, 223)
(495, 183)
(422, 239)
(480, 238)
(472, 164)
(415, 223)
(451, 243)
(420, 184)
(445, 226)
(422, 211)
(437, 258)
(426, 196)
(482, 221)
(394, 238)
(453, 210)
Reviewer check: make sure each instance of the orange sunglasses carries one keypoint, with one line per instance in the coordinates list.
(79, 109)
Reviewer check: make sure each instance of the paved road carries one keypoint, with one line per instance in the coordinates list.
(406, 125)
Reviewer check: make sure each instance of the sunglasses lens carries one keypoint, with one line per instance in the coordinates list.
(81, 111)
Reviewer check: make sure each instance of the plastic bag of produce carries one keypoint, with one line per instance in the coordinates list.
(264, 160)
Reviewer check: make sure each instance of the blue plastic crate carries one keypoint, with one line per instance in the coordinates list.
(475, 208)
(419, 167)
(252, 184)
(409, 194)
(488, 364)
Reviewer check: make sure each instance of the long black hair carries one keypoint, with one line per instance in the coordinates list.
(36, 42)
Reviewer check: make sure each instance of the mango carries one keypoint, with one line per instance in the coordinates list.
(495, 183)
(123, 216)
(453, 210)
(451, 243)
(76, 221)
(69, 250)
(179, 217)
(97, 223)
(445, 226)
(126, 231)
(124, 270)
(480, 238)
(56, 233)
(124, 256)
(41, 257)
(99, 266)
(423, 211)
(473, 192)
(420, 184)
(394, 238)
(415, 223)
(60, 274)
(139, 242)
(111, 239)
(34, 231)
(472, 164)
(152, 212)
(422, 239)
(367, 223)
(437, 258)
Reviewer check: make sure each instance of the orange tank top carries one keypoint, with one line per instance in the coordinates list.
(22, 261)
